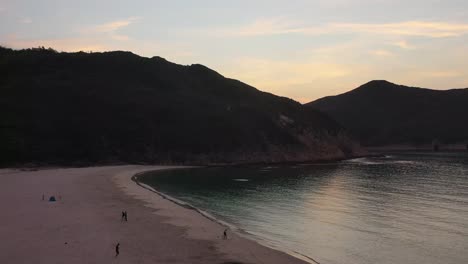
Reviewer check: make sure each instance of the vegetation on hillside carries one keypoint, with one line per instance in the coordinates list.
(120, 107)
(382, 113)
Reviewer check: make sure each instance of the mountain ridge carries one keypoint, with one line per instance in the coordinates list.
(382, 113)
(119, 107)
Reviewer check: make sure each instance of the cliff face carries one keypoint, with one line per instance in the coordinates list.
(381, 113)
(117, 106)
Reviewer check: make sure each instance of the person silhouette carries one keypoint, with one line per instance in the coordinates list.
(225, 234)
(123, 216)
(117, 249)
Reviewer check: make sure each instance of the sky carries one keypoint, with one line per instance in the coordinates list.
(301, 49)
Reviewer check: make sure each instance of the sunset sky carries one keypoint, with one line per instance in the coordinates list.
(302, 49)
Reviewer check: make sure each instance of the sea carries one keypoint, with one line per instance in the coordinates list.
(406, 208)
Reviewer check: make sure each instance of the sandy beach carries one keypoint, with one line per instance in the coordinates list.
(84, 225)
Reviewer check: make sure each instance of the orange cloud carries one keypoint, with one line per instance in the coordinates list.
(111, 28)
(409, 28)
(302, 81)
(279, 26)
(403, 45)
(116, 25)
(69, 45)
(381, 53)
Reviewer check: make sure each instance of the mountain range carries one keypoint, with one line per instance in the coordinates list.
(88, 108)
(380, 113)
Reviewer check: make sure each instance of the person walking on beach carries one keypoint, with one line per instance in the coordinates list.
(117, 249)
(125, 214)
(225, 234)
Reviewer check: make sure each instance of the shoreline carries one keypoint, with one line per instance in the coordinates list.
(179, 202)
(34, 166)
(233, 228)
(200, 225)
(422, 148)
(84, 224)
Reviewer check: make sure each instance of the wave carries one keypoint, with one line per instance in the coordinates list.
(369, 161)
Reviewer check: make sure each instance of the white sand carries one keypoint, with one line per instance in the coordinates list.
(84, 225)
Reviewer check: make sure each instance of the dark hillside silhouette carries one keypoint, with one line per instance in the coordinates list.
(117, 106)
(382, 113)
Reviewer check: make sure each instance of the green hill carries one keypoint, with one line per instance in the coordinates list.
(382, 113)
(119, 107)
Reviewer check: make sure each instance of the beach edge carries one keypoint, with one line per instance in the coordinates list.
(237, 233)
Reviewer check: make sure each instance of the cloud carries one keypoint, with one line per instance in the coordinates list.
(409, 28)
(115, 25)
(301, 80)
(268, 26)
(180, 53)
(103, 37)
(66, 44)
(403, 45)
(436, 78)
(120, 37)
(26, 20)
(273, 26)
(282, 26)
(271, 70)
(112, 28)
(381, 53)
(440, 74)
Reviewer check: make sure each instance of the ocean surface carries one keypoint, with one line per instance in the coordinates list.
(406, 208)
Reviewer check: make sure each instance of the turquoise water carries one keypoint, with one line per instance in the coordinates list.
(402, 208)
